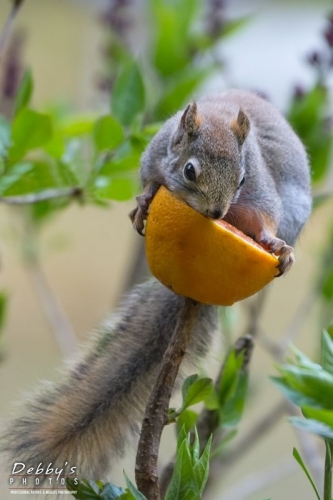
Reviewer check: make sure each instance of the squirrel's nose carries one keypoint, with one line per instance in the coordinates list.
(215, 214)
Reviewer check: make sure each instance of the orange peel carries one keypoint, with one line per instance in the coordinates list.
(209, 261)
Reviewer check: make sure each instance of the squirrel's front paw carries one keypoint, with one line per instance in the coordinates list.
(140, 213)
(138, 217)
(284, 252)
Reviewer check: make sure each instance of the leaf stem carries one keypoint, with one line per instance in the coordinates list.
(47, 194)
(328, 472)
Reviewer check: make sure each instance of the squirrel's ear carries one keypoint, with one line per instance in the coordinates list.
(241, 126)
(189, 123)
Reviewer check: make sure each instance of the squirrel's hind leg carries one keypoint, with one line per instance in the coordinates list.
(140, 213)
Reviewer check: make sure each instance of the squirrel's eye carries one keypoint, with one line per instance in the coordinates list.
(241, 182)
(189, 172)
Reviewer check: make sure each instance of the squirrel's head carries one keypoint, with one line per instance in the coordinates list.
(206, 151)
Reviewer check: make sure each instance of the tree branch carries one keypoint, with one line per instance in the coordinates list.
(7, 28)
(156, 411)
(47, 194)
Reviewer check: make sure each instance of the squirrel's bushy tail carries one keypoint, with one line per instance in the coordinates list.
(86, 418)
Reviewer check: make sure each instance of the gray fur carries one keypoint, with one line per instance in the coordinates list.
(275, 197)
(87, 417)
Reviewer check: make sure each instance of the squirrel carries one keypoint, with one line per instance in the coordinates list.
(230, 156)
(233, 156)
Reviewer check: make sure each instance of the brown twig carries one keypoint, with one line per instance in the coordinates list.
(156, 411)
(7, 28)
(51, 307)
(255, 308)
(47, 194)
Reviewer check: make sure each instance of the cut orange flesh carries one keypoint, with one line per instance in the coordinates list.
(209, 261)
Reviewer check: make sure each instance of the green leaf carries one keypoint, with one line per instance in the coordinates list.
(212, 401)
(119, 187)
(307, 115)
(30, 130)
(24, 92)
(195, 448)
(306, 111)
(232, 410)
(15, 174)
(187, 384)
(4, 136)
(297, 397)
(327, 351)
(302, 360)
(33, 177)
(201, 467)
(187, 418)
(3, 308)
(329, 329)
(151, 129)
(313, 426)
(327, 286)
(77, 126)
(128, 95)
(298, 458)
(325, 416)
(229, 376)
(195, 390)
(232, 27)
(121, 165)
(181, 436)
(316, 384)
(108, 133)
(111, 492)
(171, 45)
(133, 490)
(183, 485)
(180, 91)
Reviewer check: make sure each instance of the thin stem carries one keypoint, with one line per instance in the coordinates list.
(7, 28)
(328, 472)
(309, 449)
(47, 194)
(156, 411)
(50, 305)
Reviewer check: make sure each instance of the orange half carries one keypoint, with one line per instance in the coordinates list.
(209, 261)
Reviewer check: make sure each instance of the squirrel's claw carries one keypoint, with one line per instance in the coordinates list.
(138, 217)
(286, 260)
(284, 252)
(140, 213)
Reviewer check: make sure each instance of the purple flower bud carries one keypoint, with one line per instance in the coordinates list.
(328, 35)
(299, 92)
(315, 58)
(12, 67)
